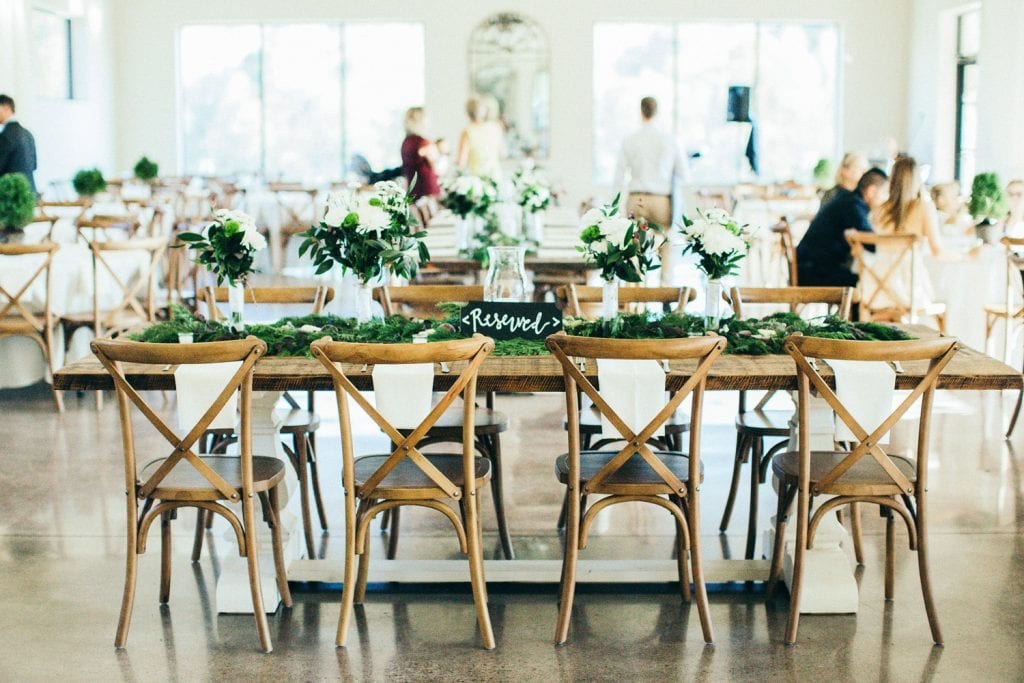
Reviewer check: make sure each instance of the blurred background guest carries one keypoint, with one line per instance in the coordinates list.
(852, 167)
(1015, 215)
(952, 216)
(17, 146)
(482, 143)
(419, 156)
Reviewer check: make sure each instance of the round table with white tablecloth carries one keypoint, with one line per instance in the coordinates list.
(21, 363)
(965, 287)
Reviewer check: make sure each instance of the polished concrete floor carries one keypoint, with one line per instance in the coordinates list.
(61, 559)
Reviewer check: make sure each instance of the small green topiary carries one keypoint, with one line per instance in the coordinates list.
(988, 201)
(88, 182)
(17, 202)
(146, 169)
(824, 173)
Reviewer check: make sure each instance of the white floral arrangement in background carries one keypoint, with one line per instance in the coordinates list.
(467, 195)
(533, 192)
(718, 240)
(227, 246)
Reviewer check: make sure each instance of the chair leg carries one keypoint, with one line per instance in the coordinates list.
(922, 565)
(315, 480)
(497, 492)
(1016, 414)
(209, 521)
(778, 547)
(197, 542)
(858, 541)
(302, 469)
(756, 452)
(396, 518)
(697, 566)
(131, 571)
(572, 550)
(253, 561)
(272, 501)
(890, 554)
(803, 508)
(560, 524)
(476, 570)
(349, 588)
(364, 558)
(165, 557)
(385, 520)
(682, 554)
(741, 450)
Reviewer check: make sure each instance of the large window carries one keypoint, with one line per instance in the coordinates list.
(296, 101)
(968, 42)
(53, 56)
(791, 68)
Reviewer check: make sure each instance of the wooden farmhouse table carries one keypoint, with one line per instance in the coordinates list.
(829, 585)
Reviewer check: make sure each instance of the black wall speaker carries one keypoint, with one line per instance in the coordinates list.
(739, 104)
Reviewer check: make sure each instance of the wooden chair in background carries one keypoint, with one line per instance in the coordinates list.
(1009, 311)
(20, 319)
(866, 474)
(299, 424)
(787, 250)
(296, 207)
(888, 288)
(572, 298)
(407, 476)
(422, 301)
(186, 479)
(754, 426)
(635, 473)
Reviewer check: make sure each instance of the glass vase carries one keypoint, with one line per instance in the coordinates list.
(535, 226)
(465, 228)
(236, 307)
(610, 299)
(506, 274)
(364, 303)
(713, 290)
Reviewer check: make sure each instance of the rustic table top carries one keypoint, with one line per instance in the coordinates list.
(969, 370)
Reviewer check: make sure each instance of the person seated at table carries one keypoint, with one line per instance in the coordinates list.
(950, 211)
(418, 157)
(851, 169)
(1014, 225)
(823, 255)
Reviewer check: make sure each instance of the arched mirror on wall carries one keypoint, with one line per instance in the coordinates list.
(509, 60)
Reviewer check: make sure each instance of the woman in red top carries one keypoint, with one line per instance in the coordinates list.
(418, 156)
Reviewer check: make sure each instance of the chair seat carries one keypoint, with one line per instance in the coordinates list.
(590, 422)
(865, 478)
(18, 325)
(449, 425)
(409, 481)
(185, 483)
(635, 473)
(764, 422)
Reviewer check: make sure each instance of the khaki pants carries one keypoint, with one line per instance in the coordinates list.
(656, 209)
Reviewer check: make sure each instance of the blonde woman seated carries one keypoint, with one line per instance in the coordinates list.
(908, 211)
(1015, 215)
(482, 144)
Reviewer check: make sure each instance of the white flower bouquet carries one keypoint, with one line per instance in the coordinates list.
(227, 246)
(718, 240)
(534, 195)
(467, 195)
(618, 246)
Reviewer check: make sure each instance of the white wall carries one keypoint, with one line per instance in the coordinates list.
(874, 32)
(70, 134)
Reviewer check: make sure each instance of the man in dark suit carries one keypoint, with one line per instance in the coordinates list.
(823, 255)
(17, 146)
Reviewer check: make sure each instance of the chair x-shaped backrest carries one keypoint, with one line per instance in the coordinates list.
(943, 351)
(110, 352)
(900, 249)
(130, 290)
(705, 349)
(11, 304)
(297, 206)
(330, 354)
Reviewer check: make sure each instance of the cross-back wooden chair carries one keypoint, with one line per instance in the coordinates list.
(73, 209)
(756, 425)
(635, 473)
(406, 476)
(49, 221)
(137, 294)
(865, 474)
(572, 297)
(299, 424)
(888, 288)
(787, 249)
(296, 206)
(187, 479)
(107, 228)
(20, 319)
(422, 300)
(1009, 311)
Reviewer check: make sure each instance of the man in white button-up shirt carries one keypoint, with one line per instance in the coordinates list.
(650, 167)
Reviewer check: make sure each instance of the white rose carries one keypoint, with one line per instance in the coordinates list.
(591, 217)
(717, 216)
(721, 241)
(252, 238)
(698, 228)
(337, 209)
(372, 218)
(389, 187)
(615, 228)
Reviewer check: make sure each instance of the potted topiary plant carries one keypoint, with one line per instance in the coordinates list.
(88, 182)
(146, 169)
(987, 205)
(17, 206)
(824, 174)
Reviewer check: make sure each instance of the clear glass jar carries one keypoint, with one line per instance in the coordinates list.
(610, 299)
(506, 274)
(236, 306)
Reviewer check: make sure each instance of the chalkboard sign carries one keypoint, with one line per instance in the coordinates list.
(501, 320)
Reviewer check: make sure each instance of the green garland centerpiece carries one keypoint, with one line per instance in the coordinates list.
(623, 250)
(470, 199)
(17, 205)
(372, 238)
(720, 243)
(227, 246)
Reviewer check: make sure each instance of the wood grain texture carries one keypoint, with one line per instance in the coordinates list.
(969, 370)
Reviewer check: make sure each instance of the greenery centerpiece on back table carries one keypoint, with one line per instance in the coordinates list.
(370, 237)
(17, 205)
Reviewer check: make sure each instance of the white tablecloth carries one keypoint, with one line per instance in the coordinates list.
(21, 363)
(965, 287)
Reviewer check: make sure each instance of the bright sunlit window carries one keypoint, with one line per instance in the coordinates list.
(51, 41)
(296, 101)
(791, 68)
